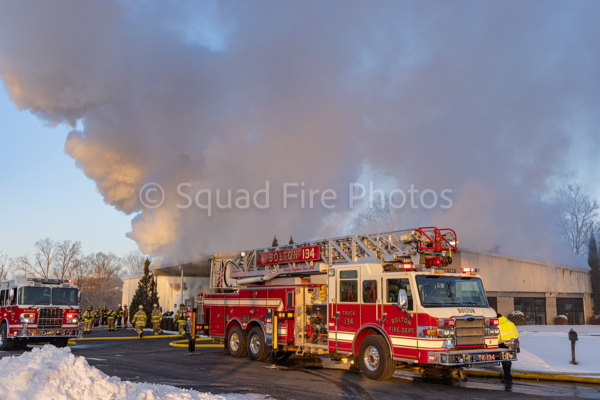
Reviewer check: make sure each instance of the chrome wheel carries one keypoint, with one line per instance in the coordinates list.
(255, 344)
(234, 342)
(372, 358)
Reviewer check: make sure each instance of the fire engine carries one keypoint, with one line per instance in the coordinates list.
(36, 310)
(378, 302)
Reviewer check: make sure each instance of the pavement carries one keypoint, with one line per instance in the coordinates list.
(210, 370)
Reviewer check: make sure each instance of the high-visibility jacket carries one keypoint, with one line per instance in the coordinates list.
(125, 314)
(104, 313)
(181, 317)
(97, 315)
(156, 317)
(111, 315)
(139, 319)
(88, 316)
(508, 330)
(119, 313)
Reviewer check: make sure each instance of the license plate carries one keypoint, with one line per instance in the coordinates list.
(485, 357)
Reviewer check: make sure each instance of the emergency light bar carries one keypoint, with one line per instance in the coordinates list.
(467, 270)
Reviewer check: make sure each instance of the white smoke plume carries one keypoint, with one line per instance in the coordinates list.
(492, 100)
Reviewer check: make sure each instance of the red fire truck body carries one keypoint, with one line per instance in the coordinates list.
(38, 311)
(376, 311)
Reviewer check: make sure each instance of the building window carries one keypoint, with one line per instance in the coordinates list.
(493, 302)
(534, 309)
(572, 308)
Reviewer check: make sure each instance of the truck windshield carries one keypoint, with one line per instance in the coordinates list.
(442, 291)
(34, 295)
(62, 296)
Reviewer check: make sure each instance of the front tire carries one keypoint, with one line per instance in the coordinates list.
(257, 347)
(237, 342)
(5, 343)
(374, 358)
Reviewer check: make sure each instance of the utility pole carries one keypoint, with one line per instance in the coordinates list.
(181, 302)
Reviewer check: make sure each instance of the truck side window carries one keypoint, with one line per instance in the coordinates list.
(2, 293)
(12, 297)
(369, 291)
(393, 286)
(348, 286)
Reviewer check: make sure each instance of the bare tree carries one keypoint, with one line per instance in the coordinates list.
(382, 215)
(67, 253)
(133, 262)
(6, 265)
(80, 271)
(43, 262)
(578, 217)
(104, 269)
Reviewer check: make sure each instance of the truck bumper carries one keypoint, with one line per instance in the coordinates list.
(45, 333)
(461, 358)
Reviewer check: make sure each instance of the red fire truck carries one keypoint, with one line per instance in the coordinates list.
(38, 310)
(379, 302)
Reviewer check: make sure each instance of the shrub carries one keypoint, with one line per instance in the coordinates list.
(595, 320)
(517, 318)
(561, 320)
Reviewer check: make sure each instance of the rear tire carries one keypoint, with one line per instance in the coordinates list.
(5, 343)
(237, 342)
(374, 358)
(257, 347)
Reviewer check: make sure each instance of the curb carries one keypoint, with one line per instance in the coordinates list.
(536, 376)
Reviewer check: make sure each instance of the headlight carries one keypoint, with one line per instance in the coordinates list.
(72, 318)
(27, 318)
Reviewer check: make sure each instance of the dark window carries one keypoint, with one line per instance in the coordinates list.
(534, 309)
(349, 291)
(2, 297)
(369, 291)
(34, 295)
(394, 286)
(572, 309)
(11, 298)
(290, 299)
(64, 296)
(348, 275)
(493, 302)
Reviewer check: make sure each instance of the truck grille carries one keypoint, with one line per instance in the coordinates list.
(50, 317)
(469, 331)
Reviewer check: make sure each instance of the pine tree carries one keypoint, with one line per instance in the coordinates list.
(291, 240)
(274, 244)
(146, 293)
(593, 263)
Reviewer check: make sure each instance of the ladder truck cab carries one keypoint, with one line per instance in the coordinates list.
(37, 310)
(380, 302)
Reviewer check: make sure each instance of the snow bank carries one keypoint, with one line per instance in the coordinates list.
(50, 373)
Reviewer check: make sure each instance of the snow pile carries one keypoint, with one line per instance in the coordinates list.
(50, 373)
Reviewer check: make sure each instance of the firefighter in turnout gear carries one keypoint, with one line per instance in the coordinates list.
(181, 319)
(88, 319)
(156, 319)
(97, 317)
(125, 315)
(111, 320)
(139, 321)
(508, 338)
(104, 316)
(119, 316)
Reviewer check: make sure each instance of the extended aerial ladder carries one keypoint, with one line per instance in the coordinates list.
(425, 247)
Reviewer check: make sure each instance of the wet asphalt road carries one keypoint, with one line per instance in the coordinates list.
(210, 370)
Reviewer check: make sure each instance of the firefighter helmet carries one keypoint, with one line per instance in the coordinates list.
(141, 306)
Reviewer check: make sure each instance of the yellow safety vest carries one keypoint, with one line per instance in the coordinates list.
(181, 316)
(508, 330)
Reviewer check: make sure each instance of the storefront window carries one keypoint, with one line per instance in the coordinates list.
(534, 309)
(572, 308)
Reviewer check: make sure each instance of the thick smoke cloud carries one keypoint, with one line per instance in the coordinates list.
(490, 100)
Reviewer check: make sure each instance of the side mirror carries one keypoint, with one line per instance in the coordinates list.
(402, 299)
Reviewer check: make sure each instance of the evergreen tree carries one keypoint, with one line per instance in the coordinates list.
(146, 293)
(274, 244)
(291, 240)
(593, 263)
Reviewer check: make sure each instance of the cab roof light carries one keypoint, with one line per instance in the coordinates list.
(467, 270)
(407, 266)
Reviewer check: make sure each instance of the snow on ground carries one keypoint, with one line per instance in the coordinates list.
(50, 373)
(547, 348)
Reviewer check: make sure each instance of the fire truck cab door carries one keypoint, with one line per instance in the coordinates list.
(348, 307)
(400, 327)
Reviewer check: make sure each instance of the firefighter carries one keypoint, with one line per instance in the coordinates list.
(88, 318)
(180, 319)
(139, 321)
(125, 315)
(105, 316)
(97, 317)
(156, 319)
(119, 316)
(508, 337)
(111, 319)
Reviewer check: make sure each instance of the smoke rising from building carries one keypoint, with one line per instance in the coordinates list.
(490, 100)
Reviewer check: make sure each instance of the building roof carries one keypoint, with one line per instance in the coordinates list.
(198, 268)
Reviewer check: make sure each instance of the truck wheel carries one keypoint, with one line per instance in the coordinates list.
(62, 342)
(5, 343)
(236, 341)
(257, 347)
(374, 358)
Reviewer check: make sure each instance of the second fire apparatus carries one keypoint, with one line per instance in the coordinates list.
(38, 310)
(382, 302)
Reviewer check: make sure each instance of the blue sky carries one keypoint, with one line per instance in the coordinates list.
(45, 195)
